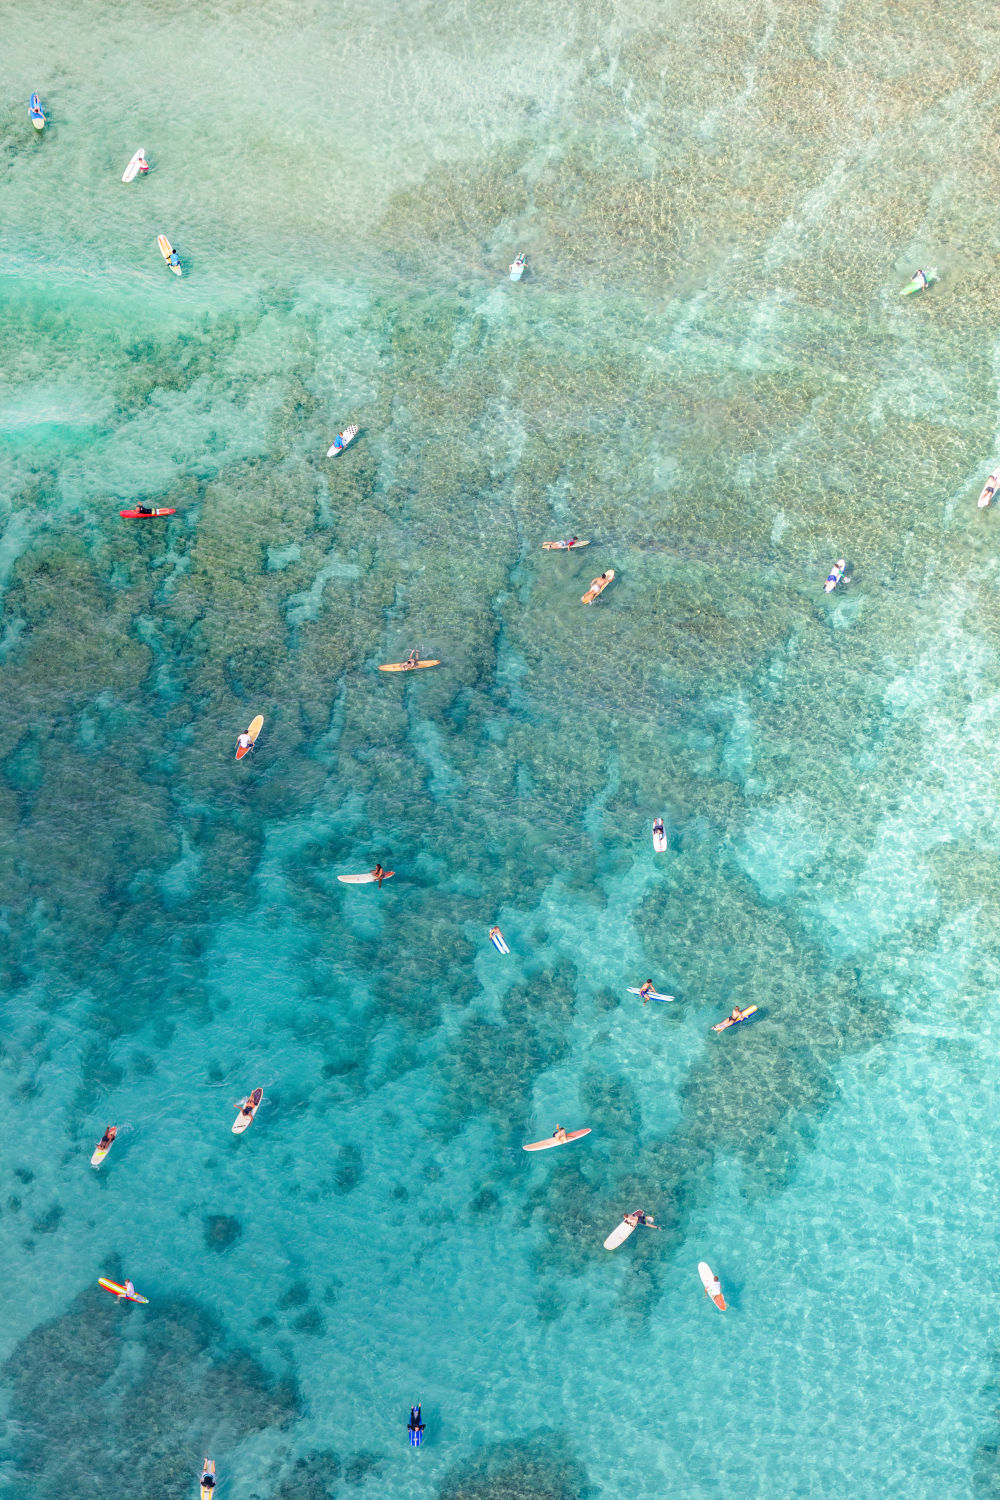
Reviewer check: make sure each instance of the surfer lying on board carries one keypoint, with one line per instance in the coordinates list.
(104, 1144)
(412, 660)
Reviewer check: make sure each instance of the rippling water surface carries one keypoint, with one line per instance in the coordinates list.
(706, 370)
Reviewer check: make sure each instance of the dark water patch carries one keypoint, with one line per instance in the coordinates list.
(48, 1222)
(348, 1170)
(221, 1232)
(184, 1369)
(310, 1322)
(311, 1477)
(542, 1467)
(24, 1174)
(359, 1466)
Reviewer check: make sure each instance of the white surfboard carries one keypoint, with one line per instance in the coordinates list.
(708, 1282)
(619, 1236)
(347, 436)
(653, 994)
(498, 940)
(244, 1121)
(133, 166)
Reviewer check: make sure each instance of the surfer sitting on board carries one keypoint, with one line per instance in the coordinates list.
(105, 1142)
(378, 874)
(144, 168)
(715, 1290)
(736, 1015)
(244, 742)
(559, 1134)
(645, 991)
(415, 1424)
(128, 1293)
(920, 279)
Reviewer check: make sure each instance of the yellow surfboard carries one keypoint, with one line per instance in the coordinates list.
(407, 666)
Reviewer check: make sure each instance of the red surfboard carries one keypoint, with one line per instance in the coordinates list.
(147, 515)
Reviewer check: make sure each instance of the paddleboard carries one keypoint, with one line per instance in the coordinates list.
(208, 1490)
(915, 286)
(100, 1152)
(732, 1021)
(659, 837)
(496, 938)
(347, 436)
(407, 666)
(119, 1291)
(36, 112)
(564, 546)
(597, 587)
(242, 1121)
(708, 1281)
(571, 1135)
(835, 574)
(148, 515)
(253, 730)
(167, 250)
(619, 1236)
(133, 167)
(989, 489)
(653, 994)
(516, 267)
(366, 879)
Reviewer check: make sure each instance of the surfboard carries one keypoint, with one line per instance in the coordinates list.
(119, 1291)
(989, 489)
(659, 837)
(347, 436)
(653, 994)
(207, 1490)
(597, 587)
(732, 1021)
(242, 1121)
(571, 1135)
(619, 1235)
(516, 268)
(100, 1152)
(497, 939)
(133, 167)
(253, 730)
(708, 1280)
(367, 879)
(167, 250)
(407, 666)
(564, 546)
(36, 112)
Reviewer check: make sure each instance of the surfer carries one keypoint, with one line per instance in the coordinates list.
(247, 1108)
(715, 1290)
(645, 991)
(920, 279)
(175, 259)
(378, 874)
(104, 1144)
(144, 168)
(245, 743)
(559, 1134)
(641, 1217)
(412, 660)
(128, 1295)
(207, 1478)
(736, 1015)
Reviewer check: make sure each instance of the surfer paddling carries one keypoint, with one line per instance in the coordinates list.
(412, 661)
(640, 1217)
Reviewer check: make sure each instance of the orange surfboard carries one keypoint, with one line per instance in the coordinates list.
(597, 587)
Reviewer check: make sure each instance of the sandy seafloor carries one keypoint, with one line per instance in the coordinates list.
(709, 372)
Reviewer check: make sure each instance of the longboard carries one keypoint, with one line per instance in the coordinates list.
(407, 666)
(653, 994)
(347, 436)
(366, 879)
(597, 587)
(564, 546)
(619, 1235)
(707, 1281)
(133, 167)
(546, 1145)
(208, 1490)
(119, 1291)
(732, 1021)
(497, 939)
(253, 730)
(242, 1121)
(167, 250)
(100, 1152)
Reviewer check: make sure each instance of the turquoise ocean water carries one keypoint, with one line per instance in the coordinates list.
(708, 371)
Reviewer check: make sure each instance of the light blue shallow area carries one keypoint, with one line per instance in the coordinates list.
(706, 371)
